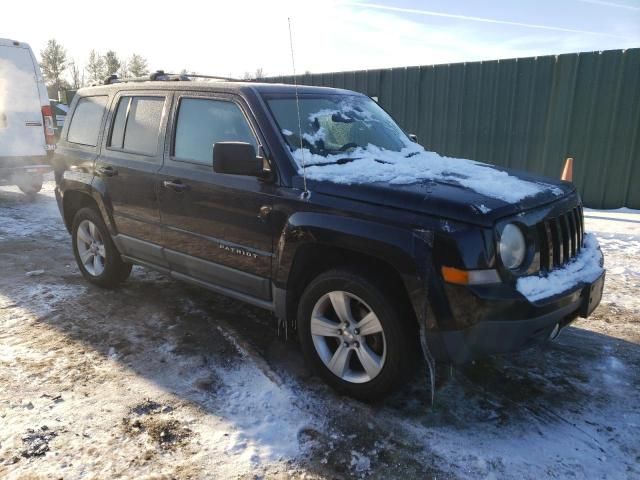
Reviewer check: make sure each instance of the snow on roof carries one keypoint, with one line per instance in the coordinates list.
(585, 267)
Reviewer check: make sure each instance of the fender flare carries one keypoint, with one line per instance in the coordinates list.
(401, 248)
(87, 184)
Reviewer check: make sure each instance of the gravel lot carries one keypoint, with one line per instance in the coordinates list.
(162, 380)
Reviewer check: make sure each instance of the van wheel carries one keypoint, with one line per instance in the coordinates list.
(96, 255)
(355, 335)
(30, 185)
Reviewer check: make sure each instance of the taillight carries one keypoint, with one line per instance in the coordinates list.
(49, 129)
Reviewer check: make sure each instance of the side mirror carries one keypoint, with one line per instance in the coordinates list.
(413, 137)
(236, 158)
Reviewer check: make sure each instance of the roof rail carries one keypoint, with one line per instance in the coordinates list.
(160, 75)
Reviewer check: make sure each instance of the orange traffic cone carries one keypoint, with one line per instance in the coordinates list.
(567, 171)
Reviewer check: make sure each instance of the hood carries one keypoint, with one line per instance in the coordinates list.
(448, 198)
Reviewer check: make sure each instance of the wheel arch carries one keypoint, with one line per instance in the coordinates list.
(314, 243)
(79, 195)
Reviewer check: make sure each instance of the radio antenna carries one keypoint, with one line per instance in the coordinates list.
(305, 194)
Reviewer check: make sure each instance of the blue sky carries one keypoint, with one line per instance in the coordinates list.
(231, 37)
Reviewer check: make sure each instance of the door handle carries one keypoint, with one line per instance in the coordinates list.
(107, 171)
(176, 185)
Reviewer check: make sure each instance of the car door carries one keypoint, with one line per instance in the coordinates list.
(215, 227)
(127, 171)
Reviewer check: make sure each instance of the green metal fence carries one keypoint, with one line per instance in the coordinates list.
(525, 113)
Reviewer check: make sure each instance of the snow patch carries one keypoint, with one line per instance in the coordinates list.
(263, 417)
(585, 267)
(414, 164)
(361, 464)
(482, 208)
(20, 217)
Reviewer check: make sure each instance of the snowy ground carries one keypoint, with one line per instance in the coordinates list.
(162, 380)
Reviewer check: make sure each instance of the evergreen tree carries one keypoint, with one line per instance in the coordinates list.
(54, 63)
(138, 66)
(111, 62)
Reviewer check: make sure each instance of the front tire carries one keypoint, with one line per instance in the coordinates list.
(356, 335)
(97, 257)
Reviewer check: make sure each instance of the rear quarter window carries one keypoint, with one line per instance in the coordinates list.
(86, 120)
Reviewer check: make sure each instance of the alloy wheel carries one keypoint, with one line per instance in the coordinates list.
(348, 337)
(91, 248)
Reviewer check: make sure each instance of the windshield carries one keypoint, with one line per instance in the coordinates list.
(336, 124)
(349, 139)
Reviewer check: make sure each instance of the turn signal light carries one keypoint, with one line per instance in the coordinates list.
(469, 277)
(454, 275)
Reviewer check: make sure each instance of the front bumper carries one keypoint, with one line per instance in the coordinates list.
(502, 321)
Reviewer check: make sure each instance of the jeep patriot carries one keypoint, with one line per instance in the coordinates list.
(314, 204)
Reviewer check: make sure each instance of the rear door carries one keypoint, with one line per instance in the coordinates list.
(127, 171)
(21, 129)
(212, 224)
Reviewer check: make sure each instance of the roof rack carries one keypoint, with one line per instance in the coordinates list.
(160, 75)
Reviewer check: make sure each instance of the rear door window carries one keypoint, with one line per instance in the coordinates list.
(136, 125)
(203, 122)
(86, 120)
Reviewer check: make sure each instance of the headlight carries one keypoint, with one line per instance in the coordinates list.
(512, 246)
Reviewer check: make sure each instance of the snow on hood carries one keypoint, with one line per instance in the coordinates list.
(585, 267)
(414, 164)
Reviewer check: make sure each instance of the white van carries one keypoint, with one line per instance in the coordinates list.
(27, 133)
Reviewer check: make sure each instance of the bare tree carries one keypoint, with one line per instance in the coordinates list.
(76, 78)
(111, 62)
(96, 67)
(54, 63)
(257, 74)
(123, 72)
(138, 66)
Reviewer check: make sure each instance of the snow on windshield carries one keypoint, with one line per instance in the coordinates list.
(356, 142)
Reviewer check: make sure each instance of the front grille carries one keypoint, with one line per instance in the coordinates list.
(560, 238)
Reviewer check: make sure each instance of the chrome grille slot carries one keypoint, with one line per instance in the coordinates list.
(560, 238)
(564, 227)
(576, 219)
(558, 257)
(544, 236)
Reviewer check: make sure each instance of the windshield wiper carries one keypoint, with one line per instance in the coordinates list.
(340, 161)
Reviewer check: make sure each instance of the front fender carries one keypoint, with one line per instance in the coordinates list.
(405, 250)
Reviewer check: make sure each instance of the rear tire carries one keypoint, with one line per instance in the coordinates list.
(370, 354)
(97, 256)
(30, 184)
